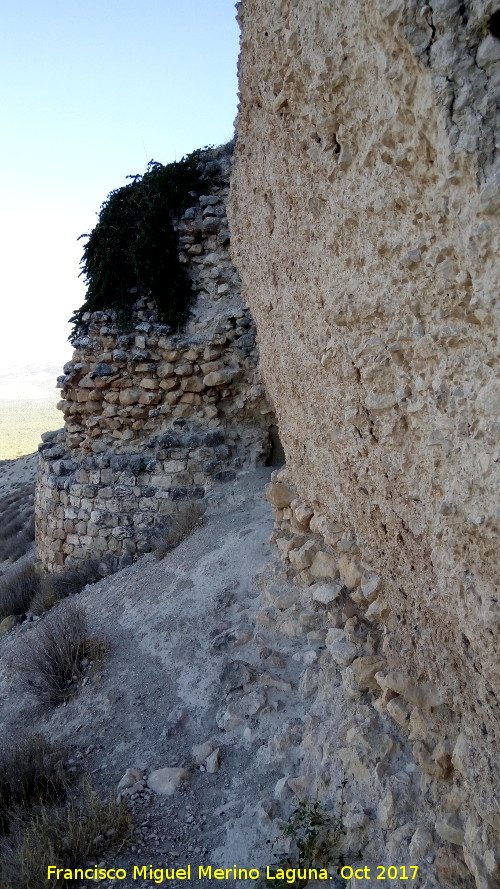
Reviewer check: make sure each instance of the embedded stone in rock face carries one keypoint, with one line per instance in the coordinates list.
(342, 651)
(213, 761)
(364, 669)
(219, 378)
(350, 573)
(7, 623)
(302, 558)
(370, 587)
(302, 512)
(424, 694)
(450, 829)
(129, 396)
(325, 593)
(324, 565)
(192, 384)
(279, 495)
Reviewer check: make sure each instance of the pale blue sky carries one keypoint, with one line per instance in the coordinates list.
(89, 92)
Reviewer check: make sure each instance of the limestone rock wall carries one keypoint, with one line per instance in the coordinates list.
(364, 217)
(152, 417)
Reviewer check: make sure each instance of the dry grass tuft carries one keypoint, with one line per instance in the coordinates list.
(25, 587)
(183, 522)
(54, 659)
(17, 526)
(67, 837)
(32, 772)
(17, 589)
(68, 582)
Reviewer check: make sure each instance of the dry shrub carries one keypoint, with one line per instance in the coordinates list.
(53, 660)
(68, 582)
(11, 504)
(32, 771)
(18, 543)
(182, 524)
(17, 530)
(17, 589)
(10, 528)
(68, 837)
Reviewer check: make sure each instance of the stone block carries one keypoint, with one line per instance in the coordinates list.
(165, 369)
(220, 377)
(342, 651)
(210, 367)
(303, 557)
(325, 593)
(147, 398)
(192, 384)
(129, 396)
(150, 383)
(324, 565)
(191, 398)
(350, 572)
(364, 669)
(183, 369)
(279, 495)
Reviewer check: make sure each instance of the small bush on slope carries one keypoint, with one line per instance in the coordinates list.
(65, 837)
(182, 525)
(17, 529)
(68, 582)
(52, 661)
(32, 771)
(18, 589)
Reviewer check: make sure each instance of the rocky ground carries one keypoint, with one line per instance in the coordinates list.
(214, 646)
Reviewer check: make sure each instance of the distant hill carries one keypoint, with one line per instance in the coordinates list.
(28, 398)
(29, 382)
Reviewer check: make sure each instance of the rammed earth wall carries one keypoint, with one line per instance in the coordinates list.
(154, 418)
(364, 212)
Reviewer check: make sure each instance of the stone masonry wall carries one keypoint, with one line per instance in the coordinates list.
(154, 418)
(364, 214)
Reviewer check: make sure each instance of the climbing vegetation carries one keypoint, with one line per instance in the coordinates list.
(133, 250)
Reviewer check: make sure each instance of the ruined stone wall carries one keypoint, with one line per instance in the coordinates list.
(152, 417)
(364, 216)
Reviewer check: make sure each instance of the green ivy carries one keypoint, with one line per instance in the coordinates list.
(133, 251)
(317, 841)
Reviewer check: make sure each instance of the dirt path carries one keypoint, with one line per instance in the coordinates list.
(184, 668)
(213, 644)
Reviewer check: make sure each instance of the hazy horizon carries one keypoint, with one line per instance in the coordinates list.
(89, 94)
(28, 399)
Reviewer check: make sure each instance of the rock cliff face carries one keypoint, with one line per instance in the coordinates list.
(154, 418)
(364, 213)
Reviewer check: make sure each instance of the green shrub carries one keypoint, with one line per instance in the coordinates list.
(315, 837)
(133, 250)
(53, 660)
